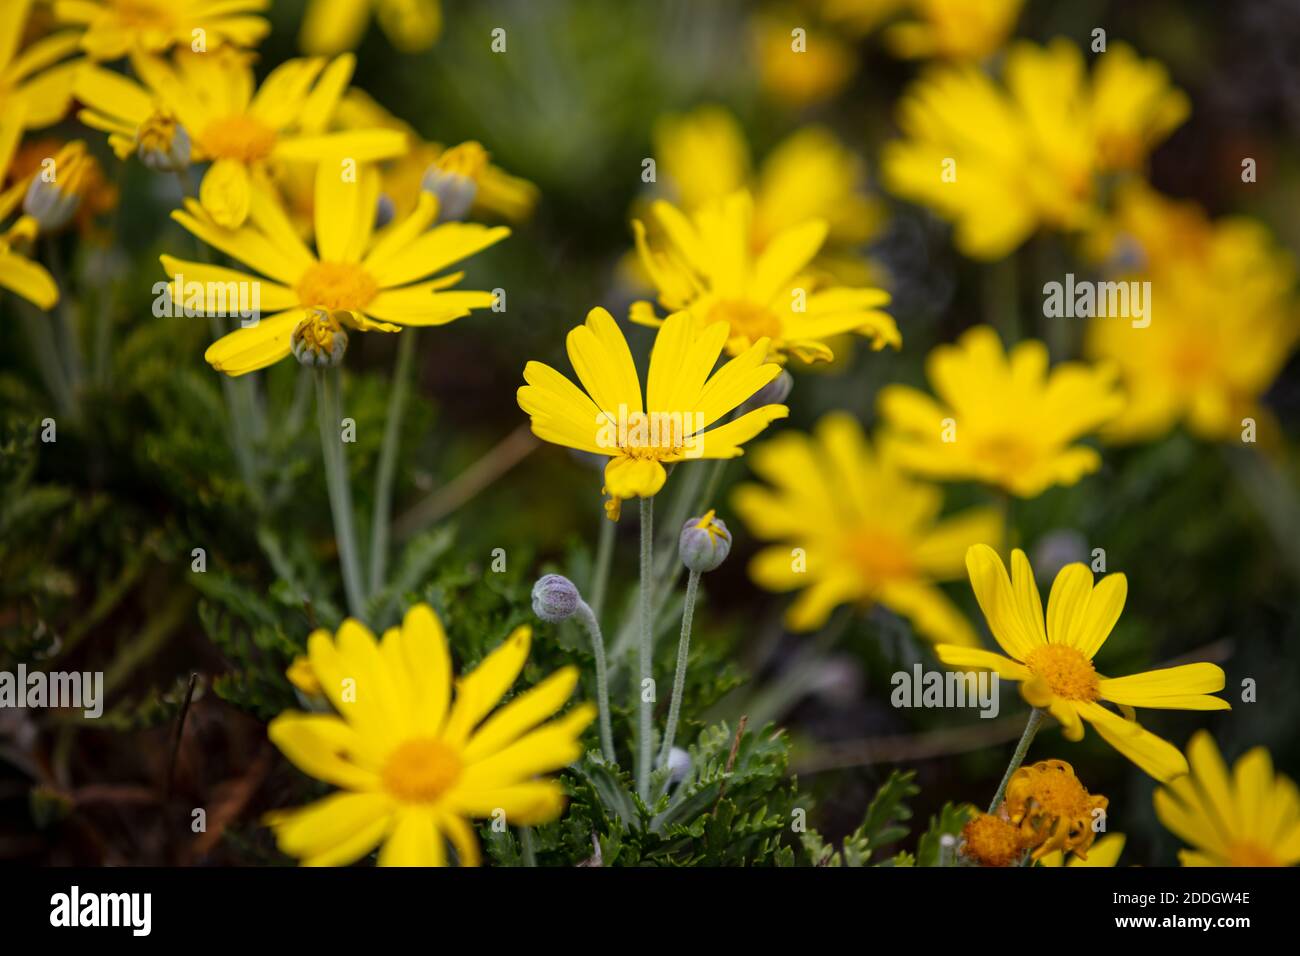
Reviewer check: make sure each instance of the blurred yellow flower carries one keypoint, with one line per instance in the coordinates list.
(18, 273)
(332, 26)
(798, 64)
(1251, 818)
(1224, 323)
(955, 29)
(1001, 161)
(839, 545)
(683, 397)
(115, 28)
(1006, 420)
(494, 193)
(810, 175)
(36, 81)
(708, 268)
(355, 278)
(940, 29)
(244, 133)
(413, 765)
(1105, 852)
(1054, 663)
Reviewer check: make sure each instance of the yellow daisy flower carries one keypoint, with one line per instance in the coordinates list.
(708, 269)
(1001, 161)
(332, 26)
(210, 96)
(809, 175)
(1105, 852)
(18, 273)
(1005, 420)
(1224, 324)
(939, 29)
(116, 28)
(955, 29)
(1054, 663)
(493, 193)
(355, 277)
(839, 545)
(1248, 818)
(415, 766)
(794, 76)
(683, 397)
(38, 77)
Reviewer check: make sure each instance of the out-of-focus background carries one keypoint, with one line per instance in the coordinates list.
(96, 531)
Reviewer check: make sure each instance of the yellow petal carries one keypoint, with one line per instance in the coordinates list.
(482, 688)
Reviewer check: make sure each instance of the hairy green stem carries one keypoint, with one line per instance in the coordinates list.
(646, 646)
(679, 676)
(589, 621)
(1031, 728)
(329, 415)
(381, 520)
(526, 846)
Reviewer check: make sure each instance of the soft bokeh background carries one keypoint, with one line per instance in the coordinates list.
(97, 530)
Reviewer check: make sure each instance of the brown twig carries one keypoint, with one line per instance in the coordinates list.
(176, 738)
(503, 456)
(731, 760)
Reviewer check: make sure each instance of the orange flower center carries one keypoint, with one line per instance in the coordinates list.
(336, 285)
(991, 841)
(1244, 853)
(880, 557)
(421, 770)
(1065, 671)
(749, 319)
(1007, 453)
(240, 137)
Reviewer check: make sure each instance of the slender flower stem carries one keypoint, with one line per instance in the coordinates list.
(604, 557)
(679, 677)
(711, 489)
(381, 520)
(645, 649)
(526, 846)
(37, 326)
(71, 345)
(329, 414)
(589, 621)
(242, 409)
(683, 500)
(1035, 721)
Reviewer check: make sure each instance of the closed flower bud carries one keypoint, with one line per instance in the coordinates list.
(453, 177)
(319, 341)
(774, 392)
(54, 193)
(679, 765)
(162, 144)
(555, 598)
(704, 542)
